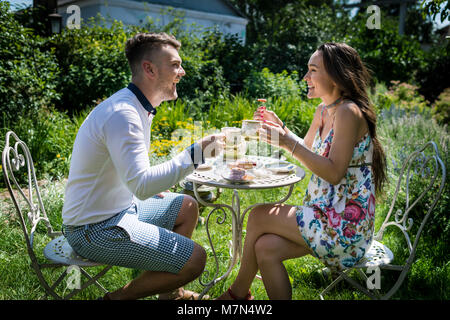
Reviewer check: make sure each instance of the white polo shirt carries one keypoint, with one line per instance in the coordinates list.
(110, 162)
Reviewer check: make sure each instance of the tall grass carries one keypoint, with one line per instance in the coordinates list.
(403, 132)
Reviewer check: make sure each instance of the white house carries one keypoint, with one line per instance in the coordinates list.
(206, 13)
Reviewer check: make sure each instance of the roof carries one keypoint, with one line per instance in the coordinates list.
(223, 7)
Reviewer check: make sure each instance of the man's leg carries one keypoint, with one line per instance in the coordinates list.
(151, 282)
(187, 218)
(184, 224)
(169, 284)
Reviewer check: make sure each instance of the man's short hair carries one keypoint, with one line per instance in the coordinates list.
(141, 46)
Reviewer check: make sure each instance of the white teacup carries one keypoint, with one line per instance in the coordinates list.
(250, 128)
(232, 135)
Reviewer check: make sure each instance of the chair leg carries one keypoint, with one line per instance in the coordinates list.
(92, 280)
(343, 276)
(331, 286)
(364, 276)
(358, 286)
(49, 290)
(58, 281)
(87, 275)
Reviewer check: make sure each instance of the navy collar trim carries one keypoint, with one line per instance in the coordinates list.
(142, 99)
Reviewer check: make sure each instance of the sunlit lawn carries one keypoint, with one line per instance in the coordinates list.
(18, 281)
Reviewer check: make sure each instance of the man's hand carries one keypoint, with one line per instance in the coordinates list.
(212, 145)
(161, 195)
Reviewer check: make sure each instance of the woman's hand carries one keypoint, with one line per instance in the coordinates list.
(272, 133)
(266, 115)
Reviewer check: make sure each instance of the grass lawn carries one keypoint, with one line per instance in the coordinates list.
(18, 281)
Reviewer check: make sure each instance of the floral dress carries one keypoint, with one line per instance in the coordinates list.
(337, 221)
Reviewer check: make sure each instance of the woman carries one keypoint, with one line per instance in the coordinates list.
(341, 149)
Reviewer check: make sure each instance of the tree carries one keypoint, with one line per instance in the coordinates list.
(434, 7)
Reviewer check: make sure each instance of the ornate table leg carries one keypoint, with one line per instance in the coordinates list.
(237, 221)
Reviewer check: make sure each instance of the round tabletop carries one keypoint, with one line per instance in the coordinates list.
(212, 176)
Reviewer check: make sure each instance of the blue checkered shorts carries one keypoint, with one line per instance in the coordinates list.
(139, 237)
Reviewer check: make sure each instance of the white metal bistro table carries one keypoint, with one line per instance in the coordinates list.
(212, 177)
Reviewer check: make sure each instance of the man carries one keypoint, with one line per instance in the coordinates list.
(114, 211)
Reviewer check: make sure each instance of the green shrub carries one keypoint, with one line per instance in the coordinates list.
(92, 63)
(235, 59)
(407, 97)
(285, 38)
(49, 135)
(296, 112)
(388, 55)
(265, 84)
(28, 72)
(379, 95)
(432, 76)
(293, 110)
(401, 134)
(204, 81)
(441, 107)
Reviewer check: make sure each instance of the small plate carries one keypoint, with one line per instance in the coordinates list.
(205, 166)
(246, 179)
(280, 167)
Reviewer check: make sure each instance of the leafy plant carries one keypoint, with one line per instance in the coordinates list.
(388, 55)
(441, 107)
(268, 84)
(92, 63)
(28, 72)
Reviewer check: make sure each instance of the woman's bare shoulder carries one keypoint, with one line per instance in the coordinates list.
(349, 109)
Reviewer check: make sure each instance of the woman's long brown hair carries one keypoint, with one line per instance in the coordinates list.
(345, 67)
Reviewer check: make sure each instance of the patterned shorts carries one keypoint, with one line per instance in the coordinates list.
(139, 237)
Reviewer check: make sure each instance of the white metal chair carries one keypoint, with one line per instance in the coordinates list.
(17, 164)
(427, 167)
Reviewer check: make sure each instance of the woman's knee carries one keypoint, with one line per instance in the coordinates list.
(267, 248)
(257, 217)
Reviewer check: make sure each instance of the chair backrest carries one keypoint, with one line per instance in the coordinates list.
(20, 179)
(426, 165)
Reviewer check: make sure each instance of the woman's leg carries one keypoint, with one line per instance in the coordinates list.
(266, 219)
(271, 250)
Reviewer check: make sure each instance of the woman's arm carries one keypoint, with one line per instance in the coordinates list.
(271, 117)
(346, 128)
(315, 124)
